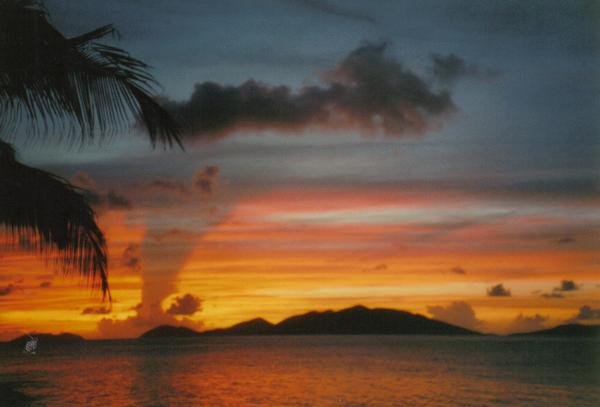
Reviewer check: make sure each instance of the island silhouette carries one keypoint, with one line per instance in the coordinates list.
(356, 320)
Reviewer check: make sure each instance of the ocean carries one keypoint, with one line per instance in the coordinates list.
(306, 371)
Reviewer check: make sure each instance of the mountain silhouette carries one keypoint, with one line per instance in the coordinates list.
(568, 330)
(256, 326)
(168, 331)
(360, 320)
(357, 320)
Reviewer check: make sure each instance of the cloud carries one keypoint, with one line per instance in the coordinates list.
(565, 240)
(186, 305)
(552, 295)
(498, 291)
(458, 313)
(367, 91)
(9, 289)
(114, 200)
(451, 68)
(586, 313)
(96, 310)
(45, 284)
(169, 186)
(458, 270)
(377, 267)
(567, 285)
(206, 180)
(131, 257)
(83, 180)
(10, 277)
(110, 200)
(328, 7)
(96, 198)
(523, 323)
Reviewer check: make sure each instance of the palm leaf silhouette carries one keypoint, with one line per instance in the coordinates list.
(81, 91)
(75, 87)
(54, 215)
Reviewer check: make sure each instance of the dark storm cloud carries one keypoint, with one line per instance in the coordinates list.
(367, 91)
(498, 291)
(131, 257)
(451, 68)
(567, 285)
(329, 7)
(102, 310)
(186, 305)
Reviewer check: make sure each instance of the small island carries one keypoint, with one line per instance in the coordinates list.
(46, 339)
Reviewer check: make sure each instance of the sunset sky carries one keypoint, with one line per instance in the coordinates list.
(440, 158)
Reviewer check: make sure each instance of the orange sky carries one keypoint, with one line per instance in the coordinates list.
(285, 251)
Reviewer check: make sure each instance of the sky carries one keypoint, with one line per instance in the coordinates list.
(440, 158)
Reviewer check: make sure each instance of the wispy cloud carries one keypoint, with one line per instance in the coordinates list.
(99, 199)
(131, 257)
(450, 68)
(206, 180)
(101, 310)
(458, 270)
(331, 8)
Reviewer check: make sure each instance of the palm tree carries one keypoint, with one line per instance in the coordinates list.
(82, 91)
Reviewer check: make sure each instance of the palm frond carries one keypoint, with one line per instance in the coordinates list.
(75, 87)
(54, 215)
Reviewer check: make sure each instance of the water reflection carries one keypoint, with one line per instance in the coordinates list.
(319, 371)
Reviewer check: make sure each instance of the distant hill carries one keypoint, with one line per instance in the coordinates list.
(569, 330)
(168, 331)
(257, 326)
(358, 320)
(46, 340)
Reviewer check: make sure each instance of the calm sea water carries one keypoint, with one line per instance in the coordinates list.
(309, 371)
